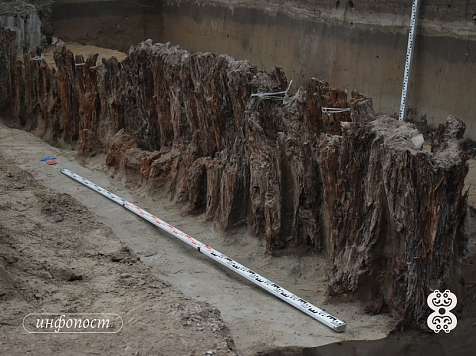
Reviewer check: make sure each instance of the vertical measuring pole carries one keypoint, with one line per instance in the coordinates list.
(409, 60)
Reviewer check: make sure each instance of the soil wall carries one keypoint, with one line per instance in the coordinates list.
(24, 20)
(116, 24)
(357, 44)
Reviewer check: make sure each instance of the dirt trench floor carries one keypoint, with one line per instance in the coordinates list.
(57, 257)
(67, 249)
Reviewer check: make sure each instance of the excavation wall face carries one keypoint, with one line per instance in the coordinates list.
(351, 185)
(24, 20)
(114, 24)
(357, 44)
(360, 46)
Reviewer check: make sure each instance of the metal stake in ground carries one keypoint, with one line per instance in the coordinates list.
(409, 59)
(299, 303)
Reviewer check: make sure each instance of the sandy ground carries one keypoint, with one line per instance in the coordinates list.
(83, 50)
(257, 320)
(57, 257)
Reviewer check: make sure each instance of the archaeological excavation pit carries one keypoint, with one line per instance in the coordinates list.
(188, 110)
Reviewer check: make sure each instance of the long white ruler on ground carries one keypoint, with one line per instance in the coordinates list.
(299, 303)
(409, 59)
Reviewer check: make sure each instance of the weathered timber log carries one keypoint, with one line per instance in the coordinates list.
(388, 220)
(351, 185)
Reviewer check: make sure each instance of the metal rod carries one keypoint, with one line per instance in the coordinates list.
(334, 110)
(275, 95)
(409, 59)
(299, 303)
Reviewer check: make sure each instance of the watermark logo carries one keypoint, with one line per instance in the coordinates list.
(442, 303)
(67, 323)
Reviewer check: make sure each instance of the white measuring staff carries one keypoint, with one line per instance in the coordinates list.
(299, 303)
(409, 60)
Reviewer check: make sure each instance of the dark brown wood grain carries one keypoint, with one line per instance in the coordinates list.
(351, 185)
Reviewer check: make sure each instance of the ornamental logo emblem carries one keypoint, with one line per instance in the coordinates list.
(442, 303)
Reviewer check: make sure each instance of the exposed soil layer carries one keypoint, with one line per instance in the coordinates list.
(257, 320)
(84, 50)
(351, 44)
(270, 325)
(351, 185)
(56, 257)
(116, 24)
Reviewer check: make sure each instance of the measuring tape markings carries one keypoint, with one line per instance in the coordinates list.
(409, 59)
(299, 303)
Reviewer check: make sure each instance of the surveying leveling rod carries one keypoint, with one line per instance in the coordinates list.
(318, 314)
(409, 60)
